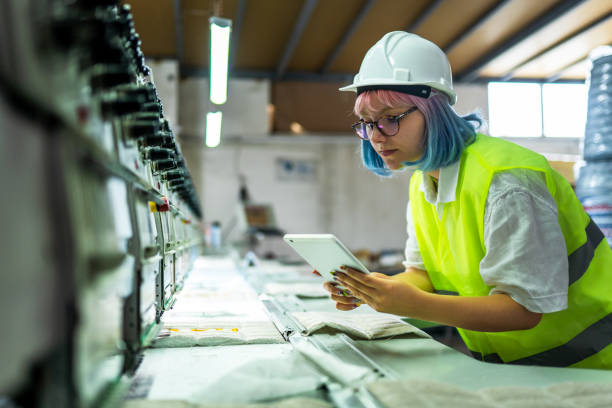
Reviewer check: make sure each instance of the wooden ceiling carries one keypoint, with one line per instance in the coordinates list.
(325, 40)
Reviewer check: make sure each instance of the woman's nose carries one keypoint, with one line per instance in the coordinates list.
(377, 135)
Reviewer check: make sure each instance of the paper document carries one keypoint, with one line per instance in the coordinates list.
(215, 332)
(361, 325)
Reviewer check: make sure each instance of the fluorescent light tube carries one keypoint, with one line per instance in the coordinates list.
(220, 29)
(213, 128)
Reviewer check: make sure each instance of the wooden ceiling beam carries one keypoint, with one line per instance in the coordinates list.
(236, 30)
(178, 31)
(424, 15)
(559, 74)
(347, 35)
(513, 70)
(473, 27)
(471, 73)
(307, 76)
(298, 30)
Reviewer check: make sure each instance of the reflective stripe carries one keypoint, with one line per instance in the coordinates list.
(446, 292)
(590, 341)
(489, 358)
(580, 259)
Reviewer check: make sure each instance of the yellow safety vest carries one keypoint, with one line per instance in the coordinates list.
(452, 248)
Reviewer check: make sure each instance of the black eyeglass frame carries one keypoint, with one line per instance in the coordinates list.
(371, 124)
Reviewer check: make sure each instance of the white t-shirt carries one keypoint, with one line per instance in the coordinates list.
(525, 249)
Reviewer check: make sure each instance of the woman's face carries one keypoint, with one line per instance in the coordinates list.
(407, 145)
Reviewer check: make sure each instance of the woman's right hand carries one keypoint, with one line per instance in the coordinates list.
(343, 302)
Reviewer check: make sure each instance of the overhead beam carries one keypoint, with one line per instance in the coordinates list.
(347, 35)
(298, 29)
(473, 27)
(555, 77)
(271, 74)
(178, 31)
(335, 77)
(485, 80)
(556, 44)
(424, 15)
(471, 73)
(236, 29)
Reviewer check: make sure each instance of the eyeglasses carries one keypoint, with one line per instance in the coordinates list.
(388, 125)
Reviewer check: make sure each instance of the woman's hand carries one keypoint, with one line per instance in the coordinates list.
(343, 302)
(381, 292)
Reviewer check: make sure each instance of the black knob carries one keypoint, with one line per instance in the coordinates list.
(150, 116)
(141, 128)
(174, 175)
(176, 183)
(165, 125)
(119, 105)
(159, 154)
(160, 139)
(162, 165)
(153, 107)
(145, 94)
(109, 76)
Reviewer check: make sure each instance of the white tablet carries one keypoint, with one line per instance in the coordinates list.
(324, 252)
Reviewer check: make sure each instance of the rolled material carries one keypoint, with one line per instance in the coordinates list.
(598, 131)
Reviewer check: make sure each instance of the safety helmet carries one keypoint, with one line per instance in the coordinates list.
(404, 62)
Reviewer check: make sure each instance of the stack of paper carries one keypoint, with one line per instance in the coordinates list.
(360, 325)
(217, 331)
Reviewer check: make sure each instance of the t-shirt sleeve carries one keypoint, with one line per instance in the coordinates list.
(412, 252)
(525, 249)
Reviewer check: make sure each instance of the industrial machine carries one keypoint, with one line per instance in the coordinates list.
(103, 221)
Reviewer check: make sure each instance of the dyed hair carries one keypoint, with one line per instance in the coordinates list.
(446, 133)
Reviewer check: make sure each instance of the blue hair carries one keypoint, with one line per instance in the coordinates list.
(446, 133)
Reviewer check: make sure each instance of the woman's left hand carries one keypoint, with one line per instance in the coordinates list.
(381, 292)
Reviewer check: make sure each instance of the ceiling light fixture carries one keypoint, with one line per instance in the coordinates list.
(213, 128)
(220, 29)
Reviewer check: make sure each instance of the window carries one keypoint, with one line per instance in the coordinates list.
(533, 109)
(565, 107)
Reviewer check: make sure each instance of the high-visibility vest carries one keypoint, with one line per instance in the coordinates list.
(452, 248)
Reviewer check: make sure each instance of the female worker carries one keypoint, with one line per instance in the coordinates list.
(498, 244)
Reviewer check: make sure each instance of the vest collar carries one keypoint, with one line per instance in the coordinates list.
(447, 185)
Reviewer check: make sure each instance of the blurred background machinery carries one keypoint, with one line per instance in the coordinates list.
(103, 223)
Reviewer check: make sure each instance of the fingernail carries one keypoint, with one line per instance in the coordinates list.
(357, 304)
(343, 267)
(335, 279)
(340, 293)
(347, 292)
(332, 272)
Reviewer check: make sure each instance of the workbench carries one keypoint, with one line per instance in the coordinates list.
(278, 375)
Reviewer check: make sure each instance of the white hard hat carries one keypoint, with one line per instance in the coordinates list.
(406, 63)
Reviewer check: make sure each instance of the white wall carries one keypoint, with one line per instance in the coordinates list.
(244, 113)
(345, 199)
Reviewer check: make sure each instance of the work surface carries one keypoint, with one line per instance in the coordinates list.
(267, 334)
